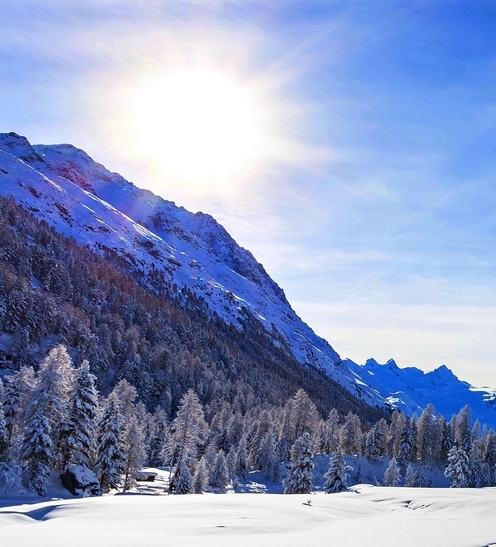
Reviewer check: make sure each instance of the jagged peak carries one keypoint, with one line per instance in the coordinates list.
(443, 373)
(19, 146)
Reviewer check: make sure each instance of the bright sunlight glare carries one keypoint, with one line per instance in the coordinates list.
(201, 124)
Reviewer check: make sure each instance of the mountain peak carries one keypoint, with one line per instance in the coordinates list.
(442, 374)
(19, 147)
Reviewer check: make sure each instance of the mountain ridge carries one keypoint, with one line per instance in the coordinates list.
(171, 246)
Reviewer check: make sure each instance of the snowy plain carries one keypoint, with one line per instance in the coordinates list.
(367, 515)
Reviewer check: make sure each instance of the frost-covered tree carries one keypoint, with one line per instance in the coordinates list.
(37, 450)
(183, 481)
(304, 416)
(10, 477)
(458, 469)
(134, 453)
(351, 434)
(419, 479)
(427, 434)
(398, 421)
(329, 436)
(17, 393)
(110, 456)
(79, 447)
(52, 395)
(201, 477)
(409, 476)
(242, 460)
(300, 472)
(336, 478)
(268, 457)
(392, 474)
(188, 432)
(159, 437)
(406, 449)
(475, 464)
(219, 477)
(463, 431)
(4, 441)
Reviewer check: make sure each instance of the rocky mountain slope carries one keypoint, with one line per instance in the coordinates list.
(172, 248)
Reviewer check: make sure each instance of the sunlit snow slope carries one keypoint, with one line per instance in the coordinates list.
(82, 199)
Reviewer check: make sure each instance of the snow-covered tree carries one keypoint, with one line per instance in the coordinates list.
(4, 441)
(10, 477)
(463, 431)
(428, 439)
(336, 478)
(219, 477)
(201, 477)
(329, 436)
(188, 432)
(398, 421)
(458, 469)
(80, 427)
(52, 394)
(300, 472)
(134, 453)
(351, 434)
(475, 463)
(183, 481)
(17, 393)
(304, 415)
(37, 451)
(268, 457)
(110, 456)
(406, 449)
(409, 476)
(242, 459)
(392, 474)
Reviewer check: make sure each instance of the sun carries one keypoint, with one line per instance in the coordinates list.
(201, 124)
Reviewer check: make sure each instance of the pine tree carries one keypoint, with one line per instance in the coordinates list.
(242, 460)
(300, 474)
(219, 477)
(268, 458)
(188, 431)
(463, 432)
(37, 451)
(458, 469)
(4, 441)
(110, 456)
(475, 463)
(134, 453)
(336, 478)
(79, 446)
(183, 481)
(201, 477)
(351, 434)
(392, 474)
(409, 476)
(419, 480)
(427, 434)
(52, 394)
(17, 396)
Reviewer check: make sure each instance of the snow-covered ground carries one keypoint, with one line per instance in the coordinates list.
(365, 516)
(368, 515)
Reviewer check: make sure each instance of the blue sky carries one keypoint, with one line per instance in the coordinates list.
(369, 194)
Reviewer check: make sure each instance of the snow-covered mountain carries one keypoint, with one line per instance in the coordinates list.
(80, 198)
(411, 389)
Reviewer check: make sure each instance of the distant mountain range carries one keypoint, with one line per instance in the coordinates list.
(169, 245)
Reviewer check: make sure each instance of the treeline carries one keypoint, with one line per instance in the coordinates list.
(54, 418)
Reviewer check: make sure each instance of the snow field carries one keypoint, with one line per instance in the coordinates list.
(366, 516)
